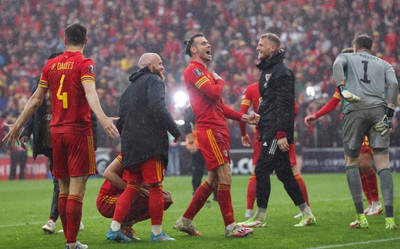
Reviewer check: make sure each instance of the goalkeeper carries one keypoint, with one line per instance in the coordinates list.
(369, 95)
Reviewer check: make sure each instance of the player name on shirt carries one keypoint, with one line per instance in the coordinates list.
(63, 66)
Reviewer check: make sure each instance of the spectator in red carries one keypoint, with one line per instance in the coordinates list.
(391, 40)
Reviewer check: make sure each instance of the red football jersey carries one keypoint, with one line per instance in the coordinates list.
(64, 76)
(108, 188)
(205, 96)
(251, 96)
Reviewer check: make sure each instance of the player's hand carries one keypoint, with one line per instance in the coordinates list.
(385, 124)
(23, 141)
(346, 95)
(246, 140)
(12, 135)
(283, 144)
(144, 192)
(216, 76)
(253, 119)
(109, 127)
(309, 119)
(192, 148)
(349, 97)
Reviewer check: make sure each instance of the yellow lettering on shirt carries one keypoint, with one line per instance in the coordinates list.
(65, 66)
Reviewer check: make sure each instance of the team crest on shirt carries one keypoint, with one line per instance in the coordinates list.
(267, 77)
(91, 69)
(198, 72)
(225, 153)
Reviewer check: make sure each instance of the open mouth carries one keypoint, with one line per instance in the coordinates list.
(208, 52)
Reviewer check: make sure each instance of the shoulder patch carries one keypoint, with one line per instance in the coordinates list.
(91, 69)
(198, 72)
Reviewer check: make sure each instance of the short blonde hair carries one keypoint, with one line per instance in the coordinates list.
(273, 38)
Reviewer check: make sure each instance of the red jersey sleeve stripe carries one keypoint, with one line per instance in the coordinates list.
(87, 79)
(119, 159)
(246, 102)
(87, 76)
(44, 84)
(201, 81)
(337, 94)
(215, 147)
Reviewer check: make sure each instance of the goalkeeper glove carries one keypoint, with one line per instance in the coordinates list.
(346, 95)
(385, 124)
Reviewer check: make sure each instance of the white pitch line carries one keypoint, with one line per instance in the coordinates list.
(355, 243)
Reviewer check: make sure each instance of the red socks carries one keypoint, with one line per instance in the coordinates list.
(365, 187)
(124, 202)
(373, 185)
(62, 207)
(199, 198)
(251, 191)
(303, 187)
(370, 185)
(74, 215)
(225, 203)
(156, 205)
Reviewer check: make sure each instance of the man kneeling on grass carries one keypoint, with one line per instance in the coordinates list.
(109, 193)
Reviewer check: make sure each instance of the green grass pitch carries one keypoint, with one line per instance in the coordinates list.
(24, 208)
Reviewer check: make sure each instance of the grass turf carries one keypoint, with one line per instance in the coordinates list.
(25, 205)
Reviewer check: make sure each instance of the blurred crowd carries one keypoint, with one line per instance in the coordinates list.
(313, 32)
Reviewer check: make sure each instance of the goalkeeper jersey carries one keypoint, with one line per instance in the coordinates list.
(367, 77)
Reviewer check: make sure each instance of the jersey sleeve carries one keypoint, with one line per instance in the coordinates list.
(244, 108)
(391, 80)
(119, 158)
(338, 68)
(87, 71)
(232, 114)
(328, 107)
(43, 81)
